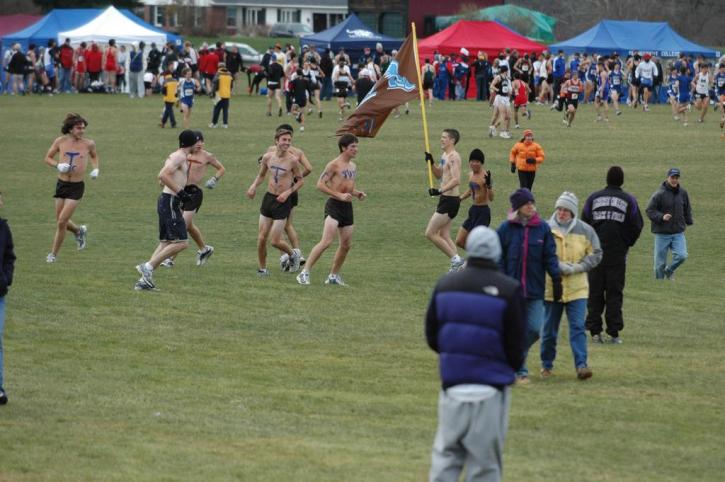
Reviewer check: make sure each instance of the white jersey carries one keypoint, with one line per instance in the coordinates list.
(702, 83)
(537, 67)
(646, 70)
(342, 74)
(543, 72)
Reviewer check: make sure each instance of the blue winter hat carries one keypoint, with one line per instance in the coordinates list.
(520, 197)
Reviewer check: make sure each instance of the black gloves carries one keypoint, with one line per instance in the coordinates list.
(489, 180)
(429, 158)
(434, 192)
(513, 168)
(530, 160)
(184, 197)
(558, 289)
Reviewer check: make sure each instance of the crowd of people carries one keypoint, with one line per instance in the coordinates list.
(296, 82)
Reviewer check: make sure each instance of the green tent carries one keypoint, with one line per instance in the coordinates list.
(530, 23)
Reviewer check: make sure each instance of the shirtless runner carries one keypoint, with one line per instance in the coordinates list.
(73, 153)
(199, 161)
(338, 182)
(480, 189)
(289, 229)
(285, 179)
(172, 228)
(448, 170)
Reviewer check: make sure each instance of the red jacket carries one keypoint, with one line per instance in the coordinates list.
(211, 63)
(66, 56)
(94, 56)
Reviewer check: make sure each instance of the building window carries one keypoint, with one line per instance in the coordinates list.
(231, 16)
(254, 16)
(392, 25)
(198, 13)
(158, 13)
(334, 19)
(172, 18)
(288, 15)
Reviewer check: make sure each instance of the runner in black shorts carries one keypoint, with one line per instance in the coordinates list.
(299, 86)
(275, 77)
(284, 179)
(74, 153)
(338, 182)
(448, 170)
(339, 211)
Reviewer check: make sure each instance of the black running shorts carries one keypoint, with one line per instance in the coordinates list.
(69, 190)
(449, 205)
(271, 208)
(172, 227)
(197, 197)
(477, 216)
(340, 211)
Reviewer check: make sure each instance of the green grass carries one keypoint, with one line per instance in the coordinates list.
(223, 376)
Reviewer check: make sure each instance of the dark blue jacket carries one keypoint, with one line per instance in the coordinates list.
(7, 257)
(559, 67)
(528, 253)
(476, 322)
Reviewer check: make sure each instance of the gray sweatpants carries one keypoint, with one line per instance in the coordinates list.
(470, 434)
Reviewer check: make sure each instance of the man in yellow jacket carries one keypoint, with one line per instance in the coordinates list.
(526, 155)
(222, 88)
(578, 249)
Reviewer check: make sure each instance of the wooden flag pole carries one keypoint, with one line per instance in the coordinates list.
(422, 102)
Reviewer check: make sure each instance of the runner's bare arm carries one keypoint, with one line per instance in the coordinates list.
(52, 152)
(307, 166)
(260, 177)
(166, 175)
(325, 178)
(93, 154)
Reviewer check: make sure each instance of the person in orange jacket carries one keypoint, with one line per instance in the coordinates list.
(526, 155)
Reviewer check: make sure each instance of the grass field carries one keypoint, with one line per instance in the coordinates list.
(224, 376)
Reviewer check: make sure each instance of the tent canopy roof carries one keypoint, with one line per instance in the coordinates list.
(352, 35)
(626, 36)
(112, 24)
(531, 23)
(13, 23)
(489, 37)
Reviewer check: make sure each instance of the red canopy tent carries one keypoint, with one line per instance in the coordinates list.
(474, 35)
(13, 23)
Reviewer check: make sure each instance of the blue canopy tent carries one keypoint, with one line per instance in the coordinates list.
(625, 36)
(61, 20)
(352, 35)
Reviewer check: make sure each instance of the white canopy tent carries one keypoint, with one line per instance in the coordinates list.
(112, 24)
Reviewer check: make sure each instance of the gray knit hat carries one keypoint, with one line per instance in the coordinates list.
(569, 201)
(483, 243)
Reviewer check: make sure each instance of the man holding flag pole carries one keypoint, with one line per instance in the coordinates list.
(393, 89)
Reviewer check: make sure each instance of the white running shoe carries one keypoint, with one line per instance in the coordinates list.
(141, 285)
(456, 263)
(517, 126)
(81, 236)
(302, 128)
(295, 261)
(203, 255)
(335, 279)
(284, 263)
(491, 131)
(262, 272)
(147, 275)
(50, 258)
(303, 278)
(505, 135)
(168, 263)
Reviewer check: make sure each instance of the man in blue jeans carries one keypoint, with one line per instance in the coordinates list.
(670, 212)
(528, 252)
(7, 264)
(578, 250)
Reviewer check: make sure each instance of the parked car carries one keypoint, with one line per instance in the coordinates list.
(249, 55)
(290, 30)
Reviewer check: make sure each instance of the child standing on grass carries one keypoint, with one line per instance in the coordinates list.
(169, 87)
(7, 265)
